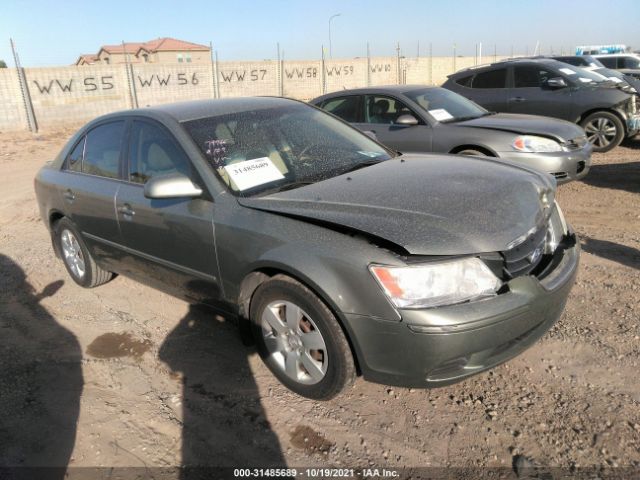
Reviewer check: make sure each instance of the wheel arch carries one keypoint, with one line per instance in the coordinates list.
(54, 217)
(263, 273)
(487, 151)
(612, 111)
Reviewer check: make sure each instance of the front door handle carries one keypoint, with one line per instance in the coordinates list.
(126, 211)
(517, 99)
(69, 195)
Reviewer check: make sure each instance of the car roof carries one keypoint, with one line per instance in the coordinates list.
(604, 55)
(197, 109)
(543, 60)
(397, 89)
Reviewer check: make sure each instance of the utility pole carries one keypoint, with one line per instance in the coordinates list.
(331, 18)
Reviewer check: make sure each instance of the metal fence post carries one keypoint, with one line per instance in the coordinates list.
(398, 74)
(279, 73)
(324, 73)
(24, 91)
(130, 78)
(213, 71)
(454, 58)
(430, 63)
(368, 66)
(216, 78)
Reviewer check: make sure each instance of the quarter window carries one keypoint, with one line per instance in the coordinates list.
(102, 150)
(153, 152)
(490, 79)
(74, 159)
(465, 81)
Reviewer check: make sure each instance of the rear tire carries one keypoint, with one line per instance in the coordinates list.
(605, 131)
(300, 340)
(77, 259)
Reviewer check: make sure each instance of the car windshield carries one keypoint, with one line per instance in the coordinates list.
(446, 106)
(266, 150)
(577, 74)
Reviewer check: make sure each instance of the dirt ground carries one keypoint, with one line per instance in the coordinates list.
(126, 376)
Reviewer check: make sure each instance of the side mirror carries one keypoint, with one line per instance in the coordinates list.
(556, 82)
(406, 119)
(173, 185)
(371, 134)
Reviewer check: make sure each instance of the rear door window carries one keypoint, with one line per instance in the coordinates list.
(491, 79)
(609, 62)
(102, 150)
(347, 108)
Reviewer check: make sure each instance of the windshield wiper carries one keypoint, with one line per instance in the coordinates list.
(360, 165)
(290, 186)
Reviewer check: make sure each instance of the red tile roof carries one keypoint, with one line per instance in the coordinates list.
(127, 48)
(171, 44)
(158, 45)
(87, 58)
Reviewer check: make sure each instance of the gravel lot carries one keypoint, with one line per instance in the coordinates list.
(126, 376)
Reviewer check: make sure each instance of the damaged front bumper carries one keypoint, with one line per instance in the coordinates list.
(439, 346)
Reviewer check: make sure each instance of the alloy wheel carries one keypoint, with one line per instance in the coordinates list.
(601, 132)
(294, 341)
(72, 252)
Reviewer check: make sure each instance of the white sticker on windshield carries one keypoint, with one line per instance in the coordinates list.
(440, 114)
(585, 80)
(568, 71)
(252, 173)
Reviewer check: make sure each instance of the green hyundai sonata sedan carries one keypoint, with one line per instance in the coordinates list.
(341, 257)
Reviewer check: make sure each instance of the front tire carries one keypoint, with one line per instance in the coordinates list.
(604, 130)
(300, 340)
(77, 259)
(471, 152)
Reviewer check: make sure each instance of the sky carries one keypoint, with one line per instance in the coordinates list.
(49, 33)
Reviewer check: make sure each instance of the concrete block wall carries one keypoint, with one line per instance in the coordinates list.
(240, 79)
(302, 80)
(157, 84)
(74, 94)
(12, 112)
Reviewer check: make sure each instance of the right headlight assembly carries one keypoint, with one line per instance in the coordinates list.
(556, 229)
(436, 284)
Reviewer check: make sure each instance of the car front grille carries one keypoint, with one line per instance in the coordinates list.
(523, 258)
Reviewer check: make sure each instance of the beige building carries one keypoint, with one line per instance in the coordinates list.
(162, 50)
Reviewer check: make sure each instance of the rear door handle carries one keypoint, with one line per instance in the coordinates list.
(126, 211)
(69, 195)
(517, 99)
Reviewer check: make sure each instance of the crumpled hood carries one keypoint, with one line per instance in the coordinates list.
(526, 124)
(426, 204)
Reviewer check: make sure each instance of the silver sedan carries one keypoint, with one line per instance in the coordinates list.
(416, 119)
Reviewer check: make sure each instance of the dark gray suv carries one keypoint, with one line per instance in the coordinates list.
(554, 89)
(341, 256)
